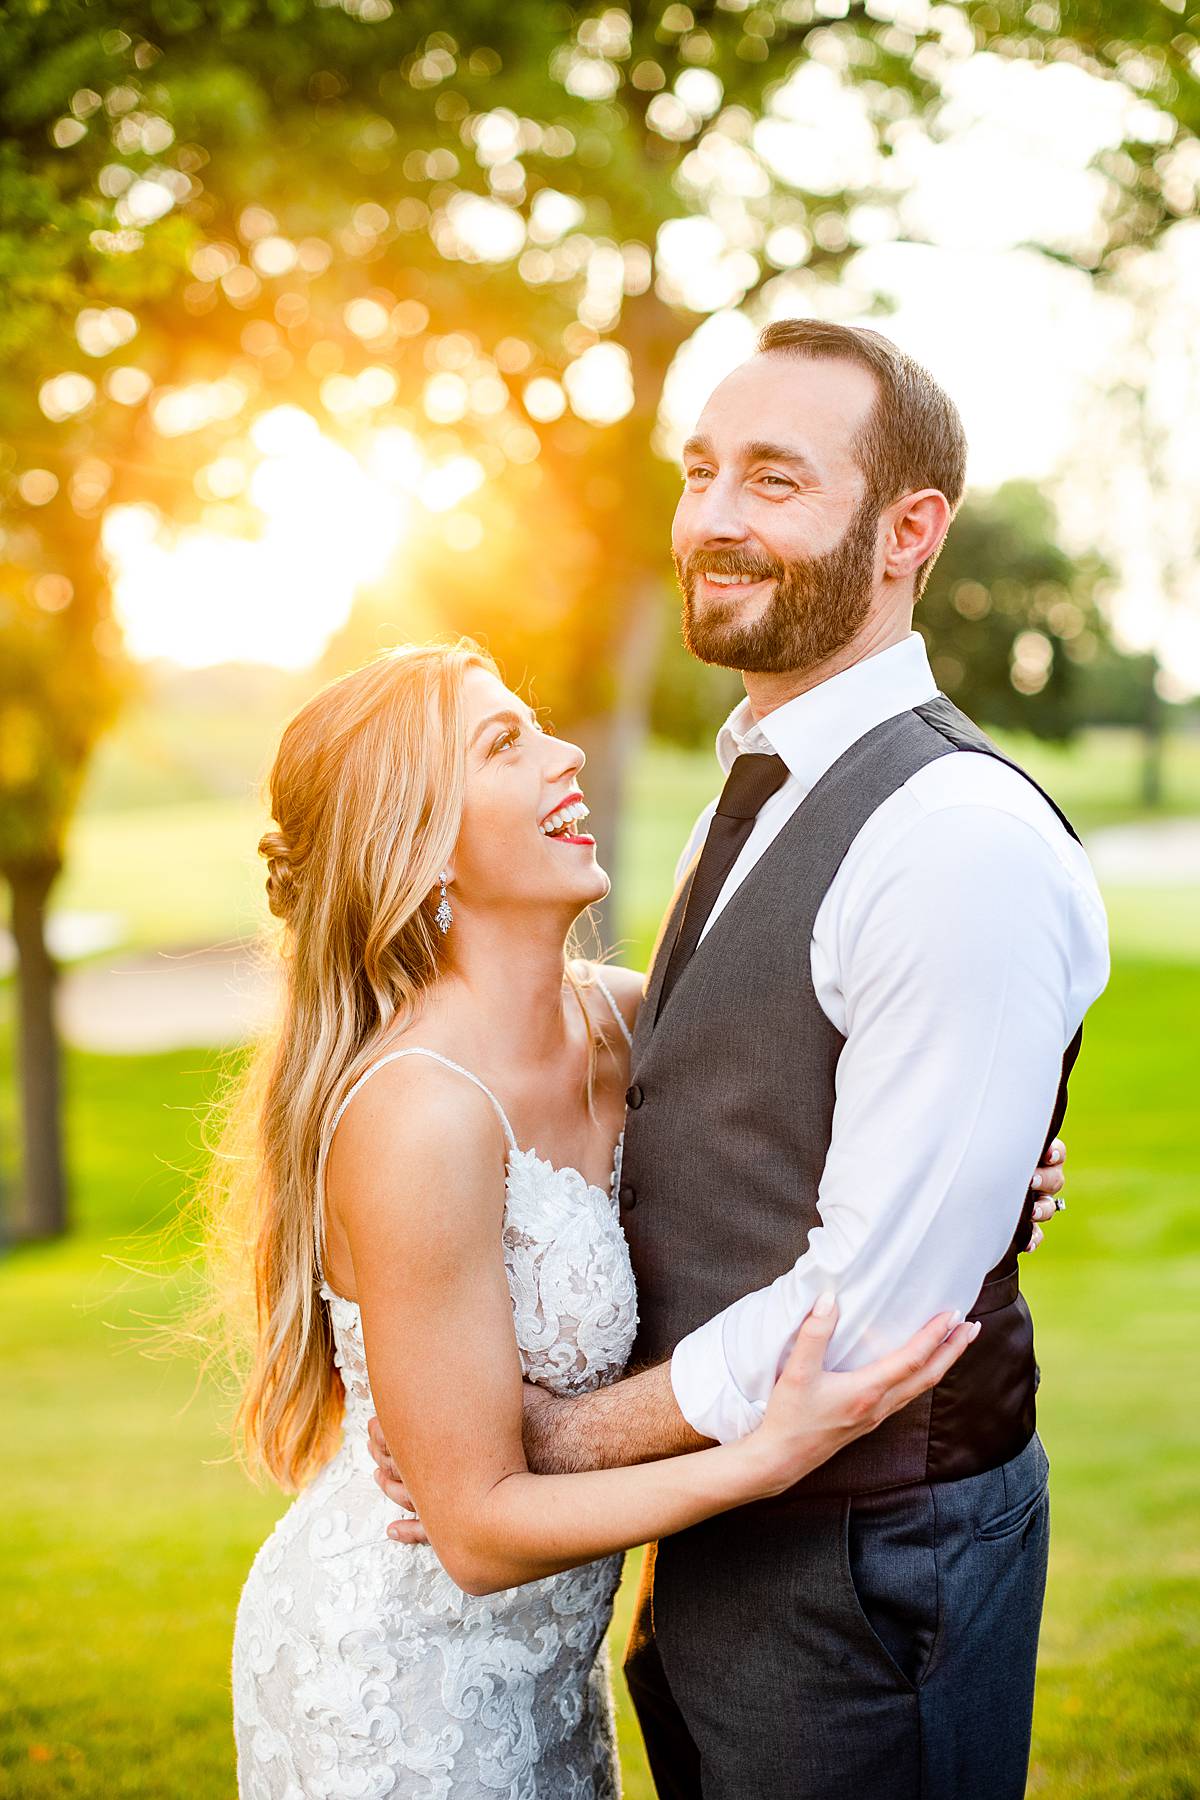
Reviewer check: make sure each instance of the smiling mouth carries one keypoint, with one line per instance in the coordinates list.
(732, 582)
(562, 825)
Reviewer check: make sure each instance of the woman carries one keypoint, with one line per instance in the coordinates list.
(433, 1184)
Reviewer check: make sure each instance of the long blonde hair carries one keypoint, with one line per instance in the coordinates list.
(367, 796)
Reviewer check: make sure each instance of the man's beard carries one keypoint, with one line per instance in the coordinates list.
(818, 605)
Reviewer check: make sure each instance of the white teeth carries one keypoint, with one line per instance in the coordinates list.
(564, 816)
(733, 580)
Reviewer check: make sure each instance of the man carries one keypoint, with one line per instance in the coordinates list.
(855, 1041)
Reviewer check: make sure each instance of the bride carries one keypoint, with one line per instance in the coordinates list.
(431, 1187)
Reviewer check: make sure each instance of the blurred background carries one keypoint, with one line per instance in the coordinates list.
(327, 324)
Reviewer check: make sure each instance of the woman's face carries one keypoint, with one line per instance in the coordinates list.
(515, 845)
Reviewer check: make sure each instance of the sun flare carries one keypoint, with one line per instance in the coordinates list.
(328, 522)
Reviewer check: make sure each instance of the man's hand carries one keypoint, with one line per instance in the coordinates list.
(391, 1481)
(1048, 1184)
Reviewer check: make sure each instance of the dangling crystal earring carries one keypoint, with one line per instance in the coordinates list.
(444, 915)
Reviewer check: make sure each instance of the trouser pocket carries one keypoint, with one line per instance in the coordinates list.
(891, 1572)
(1025, 1485)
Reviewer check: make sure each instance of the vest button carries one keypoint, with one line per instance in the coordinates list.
(627, 1196)
(634, 1096)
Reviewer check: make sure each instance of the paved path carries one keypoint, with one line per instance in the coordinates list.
(174, 1000)
(1165, 854)
(167, 1000)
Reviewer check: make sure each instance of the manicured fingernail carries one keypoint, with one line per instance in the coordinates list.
(1036, 1182)
(976, 1328)
(956, 1320)
(824, 1304)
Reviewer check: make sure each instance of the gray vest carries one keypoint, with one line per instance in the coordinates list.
(730, 1119)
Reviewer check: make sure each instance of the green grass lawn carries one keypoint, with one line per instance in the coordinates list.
(127, 1528)
(127, 1531)
(127, 1535)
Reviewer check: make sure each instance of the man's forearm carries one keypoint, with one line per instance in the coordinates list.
(632, 1421)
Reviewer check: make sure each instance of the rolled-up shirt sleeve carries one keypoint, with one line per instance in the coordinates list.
(965, 970)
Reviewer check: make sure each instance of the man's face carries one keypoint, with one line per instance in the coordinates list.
(775, 540)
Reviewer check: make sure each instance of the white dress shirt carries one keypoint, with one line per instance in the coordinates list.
(957, 950)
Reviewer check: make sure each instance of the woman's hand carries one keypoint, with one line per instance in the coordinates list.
(1047, 1183)
(814, 1412)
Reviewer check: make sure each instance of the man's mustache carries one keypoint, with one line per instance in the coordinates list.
(727, 562)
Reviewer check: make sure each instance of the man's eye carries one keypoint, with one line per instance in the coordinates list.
(697, 474)
(778, 480)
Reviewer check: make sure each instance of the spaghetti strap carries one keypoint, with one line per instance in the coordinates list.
(617, 1014)
(392, 1056)
(436, 1056)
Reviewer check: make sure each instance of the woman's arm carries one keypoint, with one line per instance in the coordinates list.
(419, 1189)
(636, 1419)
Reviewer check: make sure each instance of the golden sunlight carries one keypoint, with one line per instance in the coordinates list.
(327, 523)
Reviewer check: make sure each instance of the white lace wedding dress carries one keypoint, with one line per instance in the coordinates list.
(359, 1668)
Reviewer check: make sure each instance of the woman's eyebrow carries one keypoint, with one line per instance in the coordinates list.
(498, 718)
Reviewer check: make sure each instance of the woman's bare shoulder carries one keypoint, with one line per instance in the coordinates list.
(413, 1126)
(626, 986)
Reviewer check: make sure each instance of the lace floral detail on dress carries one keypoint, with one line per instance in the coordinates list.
(572, 1287)
(360, 1669)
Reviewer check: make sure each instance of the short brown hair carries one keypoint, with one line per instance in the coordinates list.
(913, 436)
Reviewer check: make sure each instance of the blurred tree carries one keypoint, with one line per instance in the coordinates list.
(489, 225)
(60, 662)
(53, 704)
(690, 699)
(1011, 620)
(1146, 495)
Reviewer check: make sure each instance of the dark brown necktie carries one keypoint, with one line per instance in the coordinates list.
(750, 784)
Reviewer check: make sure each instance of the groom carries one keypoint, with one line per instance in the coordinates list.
(856, 1037)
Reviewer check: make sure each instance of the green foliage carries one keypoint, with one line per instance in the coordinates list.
(1010, 618)
(361, 127)
(60, 662)
(272, 193)
(51, 711)
(689, 698)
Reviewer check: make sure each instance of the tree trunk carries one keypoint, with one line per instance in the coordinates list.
(1153, 740)
(43, 1184)
(612, 741)
(652, 333)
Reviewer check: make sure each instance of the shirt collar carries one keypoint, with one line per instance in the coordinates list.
(813, 730)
